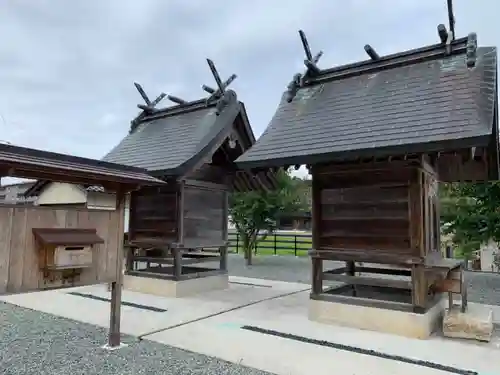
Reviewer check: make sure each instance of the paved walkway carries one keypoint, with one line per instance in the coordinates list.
(271, 334)
(259, 326)
(483, 287)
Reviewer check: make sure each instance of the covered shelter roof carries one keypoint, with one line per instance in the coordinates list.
(25, 162)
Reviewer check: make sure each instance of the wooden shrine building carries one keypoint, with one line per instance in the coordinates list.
(378, 136)
(192, 146)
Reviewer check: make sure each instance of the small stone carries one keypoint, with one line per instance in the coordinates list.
(476, 323)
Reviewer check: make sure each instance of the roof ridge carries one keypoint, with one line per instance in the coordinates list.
(447, 47)
(394, 60)
(218, 97)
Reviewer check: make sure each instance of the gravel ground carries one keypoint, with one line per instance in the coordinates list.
(483, 287)
(42, 344)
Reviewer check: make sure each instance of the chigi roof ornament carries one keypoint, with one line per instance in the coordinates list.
(146, 109)
(311, 63)
(220, 94)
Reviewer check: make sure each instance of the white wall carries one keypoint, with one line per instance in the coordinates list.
(487, 254)
(127, 213)
(61, 193)
(101, 201)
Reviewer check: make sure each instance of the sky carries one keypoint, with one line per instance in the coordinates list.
(67, 68)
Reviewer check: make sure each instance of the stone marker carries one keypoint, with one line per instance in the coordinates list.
(476, 323)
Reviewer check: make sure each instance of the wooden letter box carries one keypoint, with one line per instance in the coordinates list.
(65, 248)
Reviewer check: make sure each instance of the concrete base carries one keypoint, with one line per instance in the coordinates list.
(170, 288)
(111, 348)
(476, 323)
(400, 323)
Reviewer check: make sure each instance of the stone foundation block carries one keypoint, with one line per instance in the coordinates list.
(170, 288)
(476, 323)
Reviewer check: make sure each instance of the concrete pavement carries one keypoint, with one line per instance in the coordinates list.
(232, 324)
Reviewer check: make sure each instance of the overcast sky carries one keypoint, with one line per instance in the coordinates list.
(67, 67)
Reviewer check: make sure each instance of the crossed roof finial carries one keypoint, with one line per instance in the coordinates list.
(218, 94)
(150, 105)
(311, 63)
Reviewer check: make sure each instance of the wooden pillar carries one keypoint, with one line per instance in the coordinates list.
(180, 212)
(419, 288)
(129, 252)
(177, 253)
(418, 239)
(116, 286)
(317, 263)
(223, 257)
(317, 276)
(350, 267)
(223, 250)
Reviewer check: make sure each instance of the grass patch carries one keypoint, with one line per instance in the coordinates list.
(285, 244)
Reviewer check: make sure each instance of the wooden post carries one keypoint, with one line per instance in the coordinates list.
(317, 263)
(419, 288)
(317, 276)
(129, 250)
(223, 257)
(223, 249)
(177, 253)
(351, 271)
(116, 286)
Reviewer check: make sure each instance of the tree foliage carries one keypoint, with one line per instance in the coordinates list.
(471, 214)
(254, 213)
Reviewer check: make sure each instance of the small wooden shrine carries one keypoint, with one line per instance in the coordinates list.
(378, 136)
(173, 228)
(50, 248)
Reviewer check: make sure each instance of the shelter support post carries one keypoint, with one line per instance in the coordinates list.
(116, 286)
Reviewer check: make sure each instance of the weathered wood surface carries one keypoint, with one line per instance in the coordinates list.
(380, 212)
(367, 210)
(209, 173)
(19, 263)
(205, 217)
(154, 214)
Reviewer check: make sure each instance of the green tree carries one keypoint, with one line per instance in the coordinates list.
(471, 214)
(254, 213)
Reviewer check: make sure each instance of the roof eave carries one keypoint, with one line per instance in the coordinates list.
(428, 147)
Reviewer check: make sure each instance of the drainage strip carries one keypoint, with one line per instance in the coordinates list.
(354, 349)
(124, 303)
(141, 337)
(250, 284)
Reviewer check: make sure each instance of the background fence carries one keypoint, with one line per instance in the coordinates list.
(297, 244)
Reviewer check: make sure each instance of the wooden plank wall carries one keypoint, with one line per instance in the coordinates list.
(205, 217)
(153, 214)
(19, 270)
(364, 208)
(209, 173)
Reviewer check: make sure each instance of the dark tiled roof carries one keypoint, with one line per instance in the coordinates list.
(171, 139)
(418, 105)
